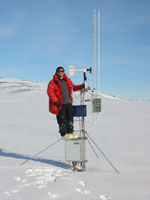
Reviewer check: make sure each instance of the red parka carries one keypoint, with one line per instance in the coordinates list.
(54, 92)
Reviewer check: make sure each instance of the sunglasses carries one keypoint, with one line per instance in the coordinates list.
(60, 71)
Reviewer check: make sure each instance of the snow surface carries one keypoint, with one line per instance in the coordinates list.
(122, 131)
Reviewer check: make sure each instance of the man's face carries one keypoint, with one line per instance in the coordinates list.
(60, 73)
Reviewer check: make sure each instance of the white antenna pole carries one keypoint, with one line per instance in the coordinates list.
(98, 54)
(94, 49)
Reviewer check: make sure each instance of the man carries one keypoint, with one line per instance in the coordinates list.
(60, 101)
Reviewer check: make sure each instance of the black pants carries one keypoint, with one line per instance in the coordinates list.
(65, 119)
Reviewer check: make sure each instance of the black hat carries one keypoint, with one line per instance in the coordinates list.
(60, 67)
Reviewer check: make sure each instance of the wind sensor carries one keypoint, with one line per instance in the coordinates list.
(72, 71)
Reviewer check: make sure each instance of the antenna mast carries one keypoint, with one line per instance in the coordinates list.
(98, 55)
(96, 50)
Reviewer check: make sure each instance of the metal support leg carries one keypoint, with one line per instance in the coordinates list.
(40, 152)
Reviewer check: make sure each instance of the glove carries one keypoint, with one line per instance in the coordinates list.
(83, 85)
(58, 104)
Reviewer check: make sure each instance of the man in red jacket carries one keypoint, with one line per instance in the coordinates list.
(60, 101)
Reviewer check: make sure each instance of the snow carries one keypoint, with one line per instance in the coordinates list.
(121, 131)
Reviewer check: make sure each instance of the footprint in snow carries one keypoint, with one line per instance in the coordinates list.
(10, 193)
(39, 178)
(18, 179)
(83, 191)
(104, 197)
(53, 195)
(42, 176)
(82, 183)
(7, 193)
(14, 191)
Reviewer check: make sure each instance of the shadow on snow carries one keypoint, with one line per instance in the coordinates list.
(42, 160)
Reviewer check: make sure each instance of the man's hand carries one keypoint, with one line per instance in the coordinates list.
(83, 85)
(58, 104)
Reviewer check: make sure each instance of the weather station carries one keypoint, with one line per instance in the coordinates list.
(75, 149)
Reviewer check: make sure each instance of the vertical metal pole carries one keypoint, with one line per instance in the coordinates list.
(98, 54)
(83, 164)
(82, 118)
(94, 49)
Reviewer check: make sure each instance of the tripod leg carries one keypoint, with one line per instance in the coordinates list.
(103, 154)
(93, 149)
(40, 152)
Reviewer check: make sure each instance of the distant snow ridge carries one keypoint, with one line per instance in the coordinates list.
(14, 86)
(108, 96)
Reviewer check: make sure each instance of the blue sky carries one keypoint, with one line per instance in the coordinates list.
(37, 36)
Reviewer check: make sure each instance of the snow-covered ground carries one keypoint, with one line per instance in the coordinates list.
(122, 132)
